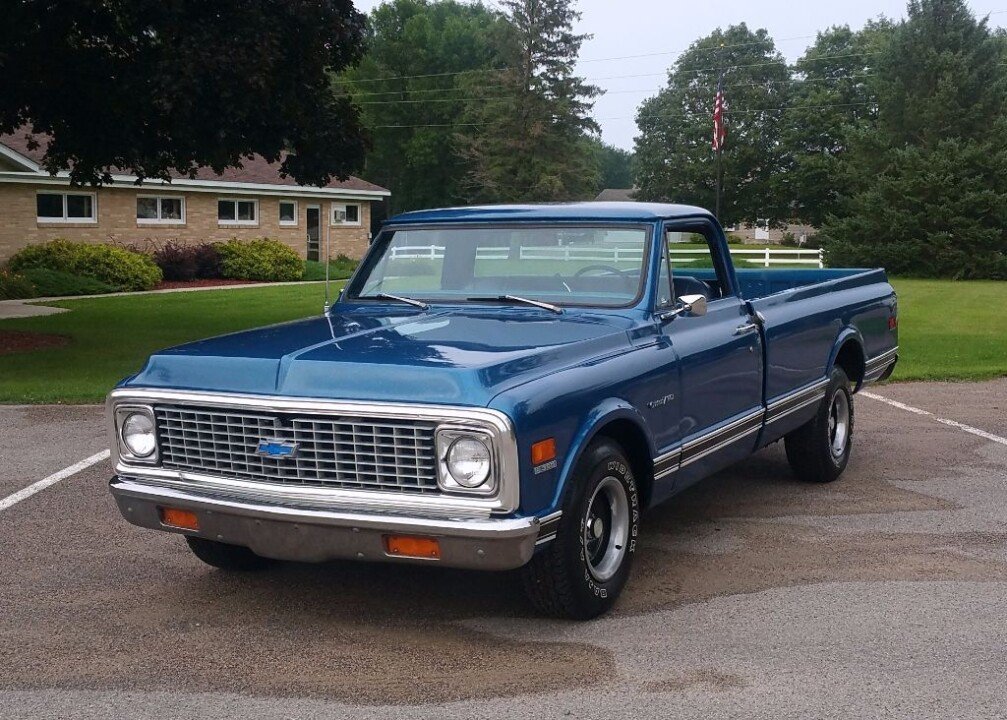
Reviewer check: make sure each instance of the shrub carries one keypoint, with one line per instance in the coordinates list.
(261, 259)
(789, 239)
(340, 268)
(115, 266)
(188, 262)
(733, 239)
(208, 261)
(48, 283)
(14, 286)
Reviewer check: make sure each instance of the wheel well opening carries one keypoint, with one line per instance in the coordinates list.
(630, 437)
(851, 359)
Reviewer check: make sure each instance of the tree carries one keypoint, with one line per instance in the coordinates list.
(528, 138)
(931, 197)
(833, 96)
(151, 87)
(409, 86)
(675, 160)
(615, 166)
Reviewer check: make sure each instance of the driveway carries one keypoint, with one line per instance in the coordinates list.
(752, 596)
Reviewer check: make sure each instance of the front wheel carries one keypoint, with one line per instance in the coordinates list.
(581, 573)
(819, 450)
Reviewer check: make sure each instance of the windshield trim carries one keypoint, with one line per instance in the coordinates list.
(387, 232)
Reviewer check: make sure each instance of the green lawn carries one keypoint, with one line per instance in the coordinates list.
(948, 331)
(112, 336)
(951, 330)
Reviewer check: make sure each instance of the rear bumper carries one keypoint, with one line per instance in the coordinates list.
(313, 535)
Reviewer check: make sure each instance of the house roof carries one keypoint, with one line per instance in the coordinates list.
(616, 194)
(569, 212)
(255, 170)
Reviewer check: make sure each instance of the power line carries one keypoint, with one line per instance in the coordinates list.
(506, 68)
(426, 101)
(608, 92)
(698, 113)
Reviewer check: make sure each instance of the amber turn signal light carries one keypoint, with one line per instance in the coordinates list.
(412, 546)
(184, 519)
(543, 451)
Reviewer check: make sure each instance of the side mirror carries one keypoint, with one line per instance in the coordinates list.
(693, 304)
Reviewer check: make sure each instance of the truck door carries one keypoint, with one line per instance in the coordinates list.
(719, 355)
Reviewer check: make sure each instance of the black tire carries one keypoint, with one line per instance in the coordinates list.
(814, 450)
(581, 573)
(226, 557)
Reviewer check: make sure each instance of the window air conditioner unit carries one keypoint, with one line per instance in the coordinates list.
(340, 215)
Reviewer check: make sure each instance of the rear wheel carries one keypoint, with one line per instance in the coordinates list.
(226, 557)
(819, 450)
(581, 573)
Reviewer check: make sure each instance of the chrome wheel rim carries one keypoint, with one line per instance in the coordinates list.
(839, 423)
(606, 529)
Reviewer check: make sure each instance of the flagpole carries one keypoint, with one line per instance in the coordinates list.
(720, 181)
(718, 142)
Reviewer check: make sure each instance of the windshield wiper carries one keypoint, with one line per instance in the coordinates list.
(516, 299)
(398, 298)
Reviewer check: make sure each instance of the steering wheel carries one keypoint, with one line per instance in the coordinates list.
(589, 268)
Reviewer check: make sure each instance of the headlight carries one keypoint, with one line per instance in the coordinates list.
(468, 461)
(138, 434)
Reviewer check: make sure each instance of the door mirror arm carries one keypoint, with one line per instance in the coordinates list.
(694, 305)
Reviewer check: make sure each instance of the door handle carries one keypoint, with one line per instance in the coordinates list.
(745, 329)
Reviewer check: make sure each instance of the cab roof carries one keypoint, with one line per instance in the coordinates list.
(570, 212)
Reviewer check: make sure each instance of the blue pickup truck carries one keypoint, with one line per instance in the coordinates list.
(499, 388)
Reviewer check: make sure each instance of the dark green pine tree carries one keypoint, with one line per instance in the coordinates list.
(527, 132)
(411, 90)
(833, 96)
(674, 158)
(931, 195)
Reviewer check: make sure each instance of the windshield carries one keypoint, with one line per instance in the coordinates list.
(561, 265)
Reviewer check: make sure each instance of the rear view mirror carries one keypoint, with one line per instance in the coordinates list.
(693, 304)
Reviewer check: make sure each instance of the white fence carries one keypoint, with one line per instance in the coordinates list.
(766, 257)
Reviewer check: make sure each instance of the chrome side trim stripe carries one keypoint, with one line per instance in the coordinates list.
(742, 434)
(877, 366)
(667, 463)
(720, 437)
(678, 457)
(883, 359)
(548, 527)
(797, 400)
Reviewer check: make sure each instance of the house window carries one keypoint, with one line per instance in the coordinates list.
(288, 212)
(238, 212)
(345, 214)
(65, 207)
(154, 209)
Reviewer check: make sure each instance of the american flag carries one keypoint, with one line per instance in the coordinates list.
(719, 129)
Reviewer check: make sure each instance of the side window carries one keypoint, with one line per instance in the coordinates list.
(693, 267)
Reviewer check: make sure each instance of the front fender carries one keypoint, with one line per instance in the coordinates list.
(605, 412)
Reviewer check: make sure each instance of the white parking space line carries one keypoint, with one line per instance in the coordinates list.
(952, 423)
(42, 484)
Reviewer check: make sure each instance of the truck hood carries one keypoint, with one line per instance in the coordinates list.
(449, 356)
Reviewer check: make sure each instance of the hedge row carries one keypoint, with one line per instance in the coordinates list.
(263, 259)
(115, 266)
(61, 267)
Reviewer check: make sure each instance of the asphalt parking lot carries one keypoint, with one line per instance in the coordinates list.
(753, 596)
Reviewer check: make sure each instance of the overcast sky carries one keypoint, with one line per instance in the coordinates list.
(635, 27)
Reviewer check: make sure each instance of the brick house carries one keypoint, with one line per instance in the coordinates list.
(251, 202)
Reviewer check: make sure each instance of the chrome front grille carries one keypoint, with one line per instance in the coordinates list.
(331, 451)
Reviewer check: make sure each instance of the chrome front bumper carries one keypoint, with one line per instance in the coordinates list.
(316, 535)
